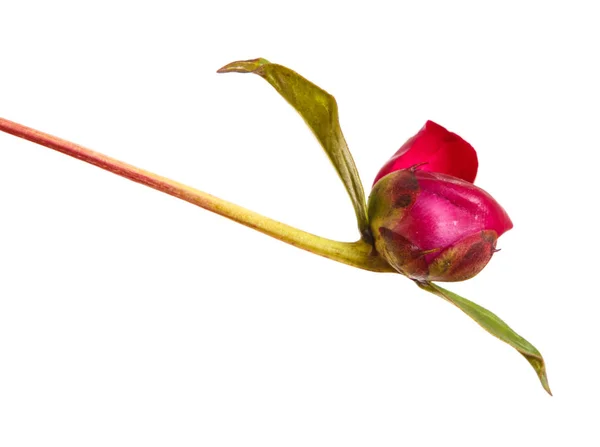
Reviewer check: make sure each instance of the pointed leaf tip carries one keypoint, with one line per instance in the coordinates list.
(320, 112)
(495, 326)
(248, 66)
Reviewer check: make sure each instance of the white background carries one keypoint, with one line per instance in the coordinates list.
(128, 317)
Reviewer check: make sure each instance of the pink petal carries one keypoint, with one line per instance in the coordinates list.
(449, 209)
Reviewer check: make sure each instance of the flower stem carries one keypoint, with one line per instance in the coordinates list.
(357, 254)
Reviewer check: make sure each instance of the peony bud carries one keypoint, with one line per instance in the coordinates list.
(430, 225)
(441, 150)
(424, 217)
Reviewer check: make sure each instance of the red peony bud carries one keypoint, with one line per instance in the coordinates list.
(442, 151)
(424, 217)
(431, 225)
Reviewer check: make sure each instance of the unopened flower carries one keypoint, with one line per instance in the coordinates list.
(432, 226)
(428, 219)
(424, 217)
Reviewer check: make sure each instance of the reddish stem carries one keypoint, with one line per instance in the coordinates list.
(358, 254)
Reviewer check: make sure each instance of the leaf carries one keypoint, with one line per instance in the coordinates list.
(495, 326)
(320, 112)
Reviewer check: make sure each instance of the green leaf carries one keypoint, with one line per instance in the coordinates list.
(320, 112)
(495, 326)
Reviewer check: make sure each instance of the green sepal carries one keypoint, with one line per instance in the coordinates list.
(495, 326)
(320, 112)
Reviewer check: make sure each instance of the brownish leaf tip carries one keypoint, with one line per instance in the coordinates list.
(247, 66)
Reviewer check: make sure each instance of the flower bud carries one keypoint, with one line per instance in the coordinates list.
(441, 150)
(432, 226)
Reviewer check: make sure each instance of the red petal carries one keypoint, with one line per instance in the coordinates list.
(441, 150)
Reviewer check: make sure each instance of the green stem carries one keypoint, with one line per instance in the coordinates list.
(357, 254)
